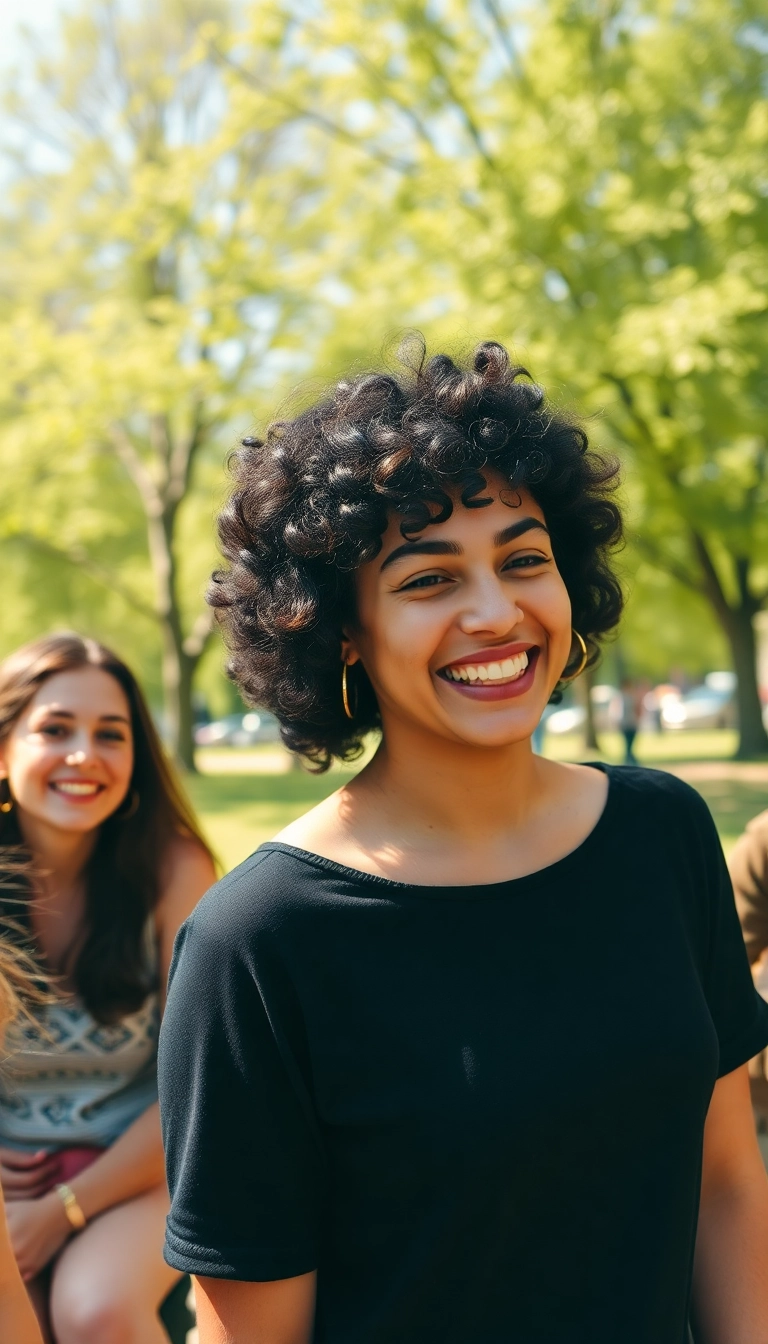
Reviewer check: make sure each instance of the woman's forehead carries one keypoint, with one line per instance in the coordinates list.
(507, 503)
(84, 691)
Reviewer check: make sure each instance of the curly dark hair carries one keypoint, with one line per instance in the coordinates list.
(313, 498)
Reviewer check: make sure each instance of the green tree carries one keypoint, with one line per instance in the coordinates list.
(142, 259)
(587, 180)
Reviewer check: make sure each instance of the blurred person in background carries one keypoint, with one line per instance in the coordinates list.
(632, 697)
(100, 860)
(367, 1138)
(19, 985)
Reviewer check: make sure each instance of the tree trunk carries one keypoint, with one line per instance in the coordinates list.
(178, 666)
(753, 739)
(582, 687)
(178, 676)
(737, 623)
(161, 504)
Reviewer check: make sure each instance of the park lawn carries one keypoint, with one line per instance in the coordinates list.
(246, 797)
(239, 809)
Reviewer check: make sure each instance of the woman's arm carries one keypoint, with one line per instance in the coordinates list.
(731, 1267)
(281, 1312)
(17, 1319)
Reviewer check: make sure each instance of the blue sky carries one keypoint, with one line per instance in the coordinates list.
(38, 14)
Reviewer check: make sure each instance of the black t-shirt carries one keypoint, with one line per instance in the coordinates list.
(476, 1111)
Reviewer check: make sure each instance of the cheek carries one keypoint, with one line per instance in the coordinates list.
(555, 607)
(403, 636)
(29, 768)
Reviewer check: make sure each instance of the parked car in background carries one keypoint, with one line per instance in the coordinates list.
(239, 730)
(711, 705)
(606, 709)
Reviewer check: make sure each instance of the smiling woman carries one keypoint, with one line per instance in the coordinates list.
(100, 860)
(313, 501)
(367, 1139)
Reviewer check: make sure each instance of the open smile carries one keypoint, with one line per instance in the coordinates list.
(493, 674)
(77, 790)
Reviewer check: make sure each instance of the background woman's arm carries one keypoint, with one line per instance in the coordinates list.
(281, 1312)
(731, 1267)
(17, 1319)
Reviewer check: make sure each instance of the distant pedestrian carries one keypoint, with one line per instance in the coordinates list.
(631, 709)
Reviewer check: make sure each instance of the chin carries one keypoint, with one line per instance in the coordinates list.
(80, 822)
(498, 735)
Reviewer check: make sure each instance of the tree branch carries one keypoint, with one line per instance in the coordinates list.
(200, 635)
(182, 455)
(78, 557)
(330, 127)
(714, 588)
(665, 562)
(502, 32)
(136, 468)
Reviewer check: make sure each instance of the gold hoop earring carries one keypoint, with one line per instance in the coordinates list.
(7, 803)
(564, 681)
(134, 798)
(345, 694)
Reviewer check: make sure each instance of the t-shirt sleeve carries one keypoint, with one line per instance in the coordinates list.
(738, 1012)
(244, 1160)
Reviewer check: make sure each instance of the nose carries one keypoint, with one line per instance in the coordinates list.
(75, 758)
(491, 607)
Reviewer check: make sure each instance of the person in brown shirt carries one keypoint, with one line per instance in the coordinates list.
(748, 865)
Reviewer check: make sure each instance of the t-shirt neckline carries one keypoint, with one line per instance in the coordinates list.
(575, 858)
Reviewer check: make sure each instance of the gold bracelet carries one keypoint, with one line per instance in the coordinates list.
(77, 1218)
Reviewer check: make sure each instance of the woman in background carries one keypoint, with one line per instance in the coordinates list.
(17, 1319)
(103, 859)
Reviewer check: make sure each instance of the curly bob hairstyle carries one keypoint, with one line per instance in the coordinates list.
(313, 498)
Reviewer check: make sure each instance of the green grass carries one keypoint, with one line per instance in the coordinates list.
(246, 802)
(239, 811)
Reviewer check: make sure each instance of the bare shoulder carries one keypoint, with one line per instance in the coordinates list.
(579, 792)
(320, 829)
(187, 873)
(575, 781)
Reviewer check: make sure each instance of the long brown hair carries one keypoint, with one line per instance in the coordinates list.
(123, 874)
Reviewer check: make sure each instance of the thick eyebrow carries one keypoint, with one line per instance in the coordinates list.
(453, 548)
(517, 529)
(422, 548)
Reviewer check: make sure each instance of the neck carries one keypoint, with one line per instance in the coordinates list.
(451, 788)
(59, 856)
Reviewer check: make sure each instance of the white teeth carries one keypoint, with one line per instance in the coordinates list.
(504, 671)
(79, 790)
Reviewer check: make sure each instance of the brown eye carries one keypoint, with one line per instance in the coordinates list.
(425, 581)
(526, 561)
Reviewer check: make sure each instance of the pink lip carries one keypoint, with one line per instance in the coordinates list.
(496, 655)
(483, 690)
